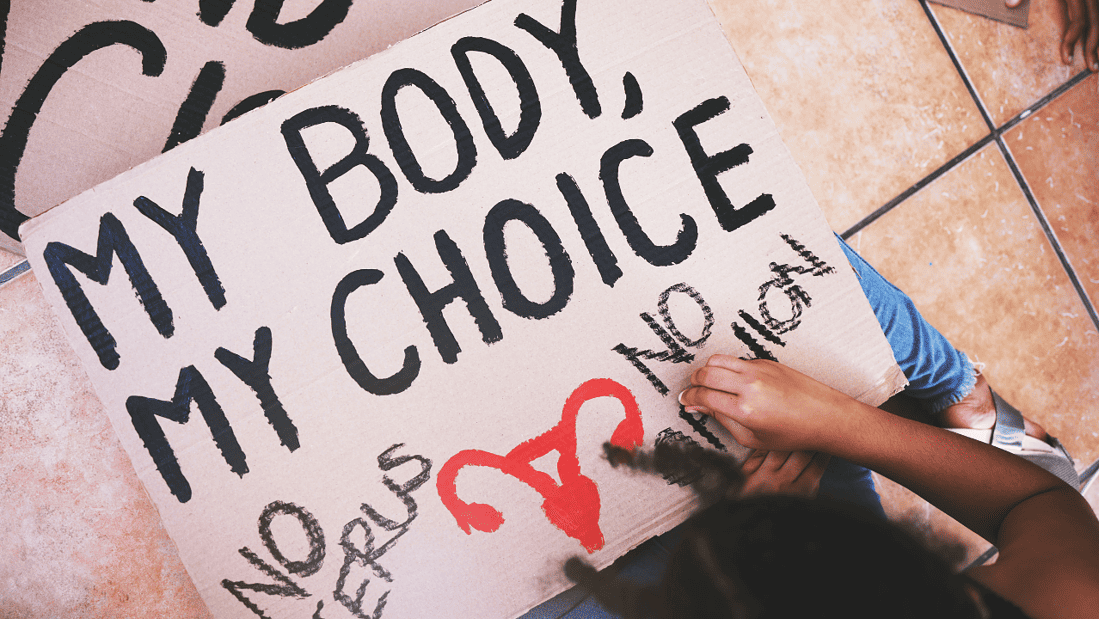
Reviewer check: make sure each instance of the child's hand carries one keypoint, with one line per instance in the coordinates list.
(782, 472)
(766, 405)
(1081, 24)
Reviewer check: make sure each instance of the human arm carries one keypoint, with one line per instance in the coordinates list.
(1047, 535)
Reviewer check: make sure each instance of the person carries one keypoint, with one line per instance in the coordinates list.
(787, 556)
(808, 438)
(1081, 25)
(1047, 534)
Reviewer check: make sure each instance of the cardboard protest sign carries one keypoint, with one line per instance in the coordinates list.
(364, 345)
(95, 88)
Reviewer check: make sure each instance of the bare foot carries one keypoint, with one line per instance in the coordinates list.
(977, 411)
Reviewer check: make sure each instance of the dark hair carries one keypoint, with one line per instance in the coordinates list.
(779, 556)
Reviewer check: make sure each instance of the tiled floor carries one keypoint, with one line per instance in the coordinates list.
(962, 159)
(958, 154)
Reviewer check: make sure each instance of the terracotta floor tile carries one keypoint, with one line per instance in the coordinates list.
(1011, 68)
(971, 253)
(80, 536)
(8, 260)
(1057, 150)
(863, 93)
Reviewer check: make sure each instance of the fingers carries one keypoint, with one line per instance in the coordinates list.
(784, 472)
(1013, 3)
(722, 373)
(709, 400)
(1075, 28)
(1091, 46)
(816, 468)
(721, 406)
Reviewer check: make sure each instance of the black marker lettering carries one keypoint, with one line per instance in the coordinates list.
(642, 245)
(698, 421)
(563, 44)
(674, 341)
(256, 373)
(530, 109)
(318, 182)
(309, 525)
(496, 251)
(635, 103)
(211, 12)
(263, 24)
(665, 314)
(673, 353)
(192, 114)
(756, 349)
(352, 362)
(13, 140)
(184, 228)
(391, 123)
(594, 240)
(284, 588)
(368, 555)
(707, 167)
(431, 304)
(799, 298)
(762, 330)
(113, 240)
(256, 101)
(191, 386)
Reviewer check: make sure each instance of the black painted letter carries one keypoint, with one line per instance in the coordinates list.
(642, 245)
(256, 373)
(13, 140)
(352, 362)
(112, 240)
(496, 252)
(432, 304)
(563, 44)
(402, 151)
(530, 109)
(600, 252)
(184, 228)
(707, 167)
(191, 386)
(296, 34)
(318, 181)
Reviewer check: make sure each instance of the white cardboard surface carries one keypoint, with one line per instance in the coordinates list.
(355, 488)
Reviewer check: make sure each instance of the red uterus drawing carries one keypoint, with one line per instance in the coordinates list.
(572, 505)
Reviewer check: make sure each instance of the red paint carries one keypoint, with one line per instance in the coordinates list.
(572, 506)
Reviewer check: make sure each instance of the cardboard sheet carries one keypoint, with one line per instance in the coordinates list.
(363, 345)
(90, 89)
(995, 9)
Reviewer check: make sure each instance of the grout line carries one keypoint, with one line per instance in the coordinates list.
(996, 134)
(958, 65)
(14, 272)
(920, 184)
(1044, 101)
(1048, 230)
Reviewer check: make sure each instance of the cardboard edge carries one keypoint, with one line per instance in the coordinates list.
(996, 10)
(17, 247)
